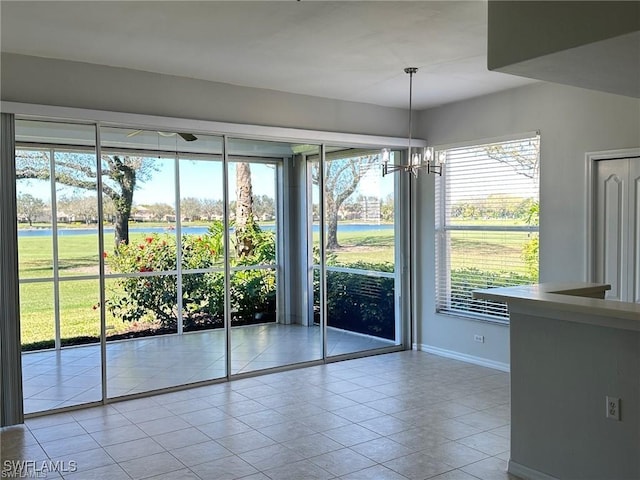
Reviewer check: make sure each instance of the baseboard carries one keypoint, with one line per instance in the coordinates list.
(527, 473)
(463, 357)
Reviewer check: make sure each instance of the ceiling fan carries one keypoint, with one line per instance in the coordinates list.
(187, 137)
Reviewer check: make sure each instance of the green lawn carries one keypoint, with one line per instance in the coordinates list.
(365, 246)
(483, 248)
(76, 255)
(79, 256)
(480, 248)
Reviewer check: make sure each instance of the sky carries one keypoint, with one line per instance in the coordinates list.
(200, 179)
(203, 179)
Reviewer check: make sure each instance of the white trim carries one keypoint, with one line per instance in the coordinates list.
(256, 132)
(463, 357)
(527, 473)
(486, 141)
(608, 154)
(590, 159)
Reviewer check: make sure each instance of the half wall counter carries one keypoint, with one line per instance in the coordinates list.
(571, 352)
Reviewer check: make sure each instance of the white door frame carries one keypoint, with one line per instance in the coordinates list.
(591, 158)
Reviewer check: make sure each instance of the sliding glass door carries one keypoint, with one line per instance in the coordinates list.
(359, 226)
(269, 327)
(59, 259)
(154, 259)
(164, 278)
(202, 260)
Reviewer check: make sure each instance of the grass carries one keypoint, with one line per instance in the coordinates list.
(78, 317)
(491, 251)
(481, 248)
(79, 256)
(365, 246)
(76, 254)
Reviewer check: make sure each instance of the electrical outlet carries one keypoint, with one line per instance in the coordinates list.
(478, 338)
(613, 408)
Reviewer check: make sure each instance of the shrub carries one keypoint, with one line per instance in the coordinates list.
(253, 296)
(530, 254)
(531, 249)
(154, 297)
(360, 303)
(145, 297)
(465, 280)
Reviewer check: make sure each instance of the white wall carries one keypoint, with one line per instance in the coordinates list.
(571, 121)
(45, 81)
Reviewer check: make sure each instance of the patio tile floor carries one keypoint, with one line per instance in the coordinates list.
(72, 376)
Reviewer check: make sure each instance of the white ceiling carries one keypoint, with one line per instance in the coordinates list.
(345, 50)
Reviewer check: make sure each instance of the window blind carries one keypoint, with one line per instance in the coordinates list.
(487, 224)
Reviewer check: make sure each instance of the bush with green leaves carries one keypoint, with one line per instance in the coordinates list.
(531, 255)
(465, 280)
(531, 248)
(362, 303)
(140, 298)
(253, 292)
(358, 302)
(153, 297)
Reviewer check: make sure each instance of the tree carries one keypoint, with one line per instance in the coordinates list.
(387, 208)
(342, 177)
(263, 207)
(29, 207)
(351, 209)
(245, 221)
(160, 211)
(120, 174)
(522, 156)
(108, 210)
(212, 209)
(79, 207)
(190, 208)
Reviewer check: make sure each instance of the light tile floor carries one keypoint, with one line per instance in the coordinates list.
(406, 415)
(72, 376)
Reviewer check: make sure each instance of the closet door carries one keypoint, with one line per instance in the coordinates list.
(617, 238)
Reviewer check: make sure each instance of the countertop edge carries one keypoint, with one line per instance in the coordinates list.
(568, 297)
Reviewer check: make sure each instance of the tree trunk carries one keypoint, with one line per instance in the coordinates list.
(244, 210)
(121, 226)
(332, 225)
(126, 177)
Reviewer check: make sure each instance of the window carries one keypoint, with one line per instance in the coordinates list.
(487, 224)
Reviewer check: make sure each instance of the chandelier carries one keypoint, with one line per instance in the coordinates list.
(423, 158)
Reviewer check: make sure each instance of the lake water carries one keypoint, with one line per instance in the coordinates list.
(46, 232)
